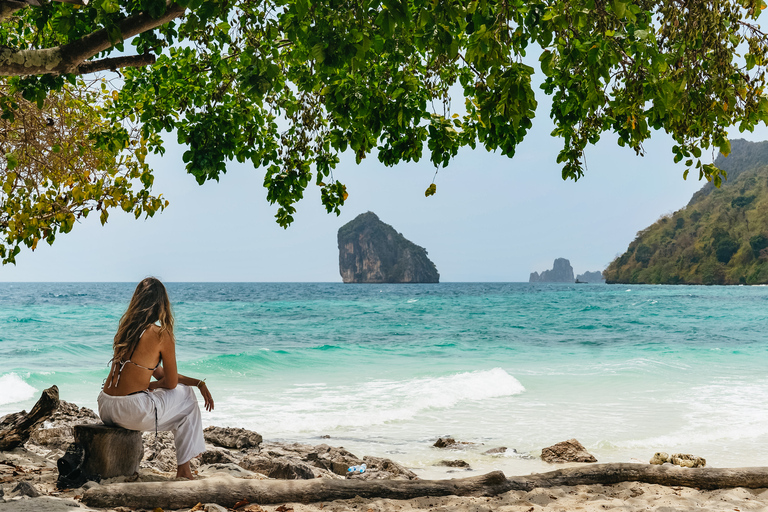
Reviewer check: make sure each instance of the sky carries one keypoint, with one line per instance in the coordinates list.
(492, 218)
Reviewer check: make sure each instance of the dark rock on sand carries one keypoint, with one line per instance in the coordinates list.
(26, 489)
(685, 460)
(159, 451)
(322, 460)
(496, 451)
(444, 442)
(336, 460)
(449, 442)
(567, 451)
(57, 432)
(285, 468)
(371, 251)
(453, 463)
(228, 437)
(217, 456)
(382, 468)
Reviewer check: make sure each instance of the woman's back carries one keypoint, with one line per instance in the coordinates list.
(133, 373)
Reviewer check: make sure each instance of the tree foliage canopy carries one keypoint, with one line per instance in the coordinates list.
(289, 85)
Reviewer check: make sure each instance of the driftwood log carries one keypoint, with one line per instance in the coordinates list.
(227, 491)
(16, 428)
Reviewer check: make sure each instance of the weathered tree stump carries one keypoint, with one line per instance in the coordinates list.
(16, 428)
(100, 452)
(109, 451)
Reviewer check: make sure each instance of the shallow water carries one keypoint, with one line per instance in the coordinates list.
(386, 369)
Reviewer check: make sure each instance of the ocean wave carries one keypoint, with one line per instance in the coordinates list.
(322, 408)
(14, 389)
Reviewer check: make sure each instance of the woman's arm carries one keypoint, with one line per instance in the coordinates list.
(167, 376)
(187, 381)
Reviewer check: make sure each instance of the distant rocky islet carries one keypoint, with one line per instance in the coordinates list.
(562, 272)
(371, 251)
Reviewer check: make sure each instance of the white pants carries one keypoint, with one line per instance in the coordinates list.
(177, 411)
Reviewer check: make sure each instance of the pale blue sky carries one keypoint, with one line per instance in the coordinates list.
(492, 219)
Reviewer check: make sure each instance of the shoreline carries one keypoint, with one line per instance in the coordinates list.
(35, 463)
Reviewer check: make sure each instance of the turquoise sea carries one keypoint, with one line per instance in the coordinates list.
(386, 369)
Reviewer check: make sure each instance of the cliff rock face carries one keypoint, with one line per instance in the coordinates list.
(591, 277)
(371, 251)
(561, 272)
(720, 237)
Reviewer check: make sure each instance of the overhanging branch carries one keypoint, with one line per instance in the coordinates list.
(132, 61)
(8, 7)
(70, 57)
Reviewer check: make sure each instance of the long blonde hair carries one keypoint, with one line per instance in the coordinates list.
(149, 304)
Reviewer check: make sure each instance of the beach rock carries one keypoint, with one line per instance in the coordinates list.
(233, 470)
(57, 431)
(15, 428)
(25, 489)
(567, 451)
(686, 460)
(159, 451)
(561, 272)
(53, 438)
(285, 468)
(44, 504)
(228, 437)
(213, 507)
(336, 460)
(383, 468)
(444, 442)
(217, 456)
(496, 451)
(453, 463)
(371, 251)
(659, 458)
(69, 414)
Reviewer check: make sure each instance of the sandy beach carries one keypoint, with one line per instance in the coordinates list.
(28, 481)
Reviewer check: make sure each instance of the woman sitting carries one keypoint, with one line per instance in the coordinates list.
(145, 347)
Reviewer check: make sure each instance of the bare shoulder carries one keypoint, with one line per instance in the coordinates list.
(163, 336)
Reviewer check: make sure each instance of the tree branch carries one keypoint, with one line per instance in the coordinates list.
(8, 7)
(132, 61)
(71, 56)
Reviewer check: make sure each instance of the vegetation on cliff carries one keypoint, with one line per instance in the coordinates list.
(721, 237)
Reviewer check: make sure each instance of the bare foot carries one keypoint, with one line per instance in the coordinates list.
(184, 471)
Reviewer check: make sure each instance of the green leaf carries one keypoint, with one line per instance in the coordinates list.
(619, 8)
(430, 190)
(11, 161)
(318, 53)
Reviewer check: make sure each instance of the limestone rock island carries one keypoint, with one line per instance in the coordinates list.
(371, 251)
(590, 277)
(562, 272)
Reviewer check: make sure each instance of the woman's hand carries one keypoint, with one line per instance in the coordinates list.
(206, 396)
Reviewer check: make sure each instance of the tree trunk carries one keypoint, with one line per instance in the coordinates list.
(16, 428)
(227, 491)
(613, 473)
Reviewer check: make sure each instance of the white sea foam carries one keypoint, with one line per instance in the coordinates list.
(365, 403)
(717, 414)
(14, 389)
